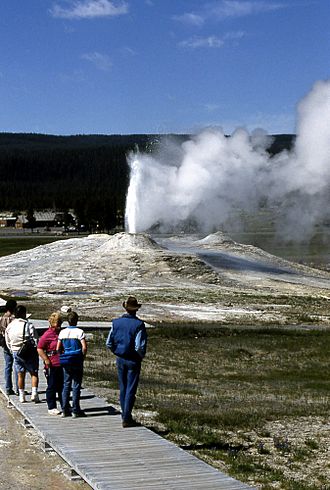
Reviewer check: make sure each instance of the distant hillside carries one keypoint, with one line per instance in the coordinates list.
(281, 142)
(30, 141)
(87, 173)
(35, 140)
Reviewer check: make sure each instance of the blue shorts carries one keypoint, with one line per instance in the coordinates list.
(31, 365)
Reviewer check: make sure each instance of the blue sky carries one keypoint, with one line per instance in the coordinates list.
(158, 66)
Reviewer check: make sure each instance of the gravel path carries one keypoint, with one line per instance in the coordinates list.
(23, 463)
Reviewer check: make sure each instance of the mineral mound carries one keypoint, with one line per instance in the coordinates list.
(218, 238)
(128, 242)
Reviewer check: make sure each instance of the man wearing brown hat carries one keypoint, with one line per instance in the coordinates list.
(127, 339)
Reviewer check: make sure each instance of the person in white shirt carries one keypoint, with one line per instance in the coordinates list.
(14, 340)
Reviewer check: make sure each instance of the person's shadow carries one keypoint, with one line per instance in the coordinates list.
(99, 411)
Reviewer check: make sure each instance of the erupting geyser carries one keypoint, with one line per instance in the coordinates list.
(203, 180)
(132, 199)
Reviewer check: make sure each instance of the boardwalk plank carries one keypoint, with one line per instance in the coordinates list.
(109, 457)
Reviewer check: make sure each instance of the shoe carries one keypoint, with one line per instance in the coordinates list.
(65, 414)
(35, 398)
(10, 392)
(78, 414)
(22, 398)
(54, 411)
(130, 423)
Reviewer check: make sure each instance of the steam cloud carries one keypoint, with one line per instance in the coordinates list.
(207, 179)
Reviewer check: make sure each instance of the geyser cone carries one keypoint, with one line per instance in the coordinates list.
(130, 242)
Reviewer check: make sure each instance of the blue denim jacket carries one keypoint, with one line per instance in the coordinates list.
(128, 337)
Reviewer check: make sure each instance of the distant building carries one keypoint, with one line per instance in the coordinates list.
(47, 219)
(7, 221)
(44, 219)
(21, 222)
(65, 218)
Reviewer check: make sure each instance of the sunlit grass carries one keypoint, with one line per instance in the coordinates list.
(204, 383)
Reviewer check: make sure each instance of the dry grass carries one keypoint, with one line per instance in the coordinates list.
(236, 396)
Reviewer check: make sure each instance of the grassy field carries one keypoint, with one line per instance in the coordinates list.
(13, 244)
(251, 402)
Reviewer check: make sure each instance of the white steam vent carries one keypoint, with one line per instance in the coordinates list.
(206, 179)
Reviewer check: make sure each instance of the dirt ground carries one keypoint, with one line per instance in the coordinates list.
(23, 463)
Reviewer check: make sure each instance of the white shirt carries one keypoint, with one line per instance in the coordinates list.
(14, 333)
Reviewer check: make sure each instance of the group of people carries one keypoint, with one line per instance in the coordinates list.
(63, 351)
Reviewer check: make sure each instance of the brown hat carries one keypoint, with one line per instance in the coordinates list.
(131, 304)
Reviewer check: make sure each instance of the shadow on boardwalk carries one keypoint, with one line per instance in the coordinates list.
(107, 456)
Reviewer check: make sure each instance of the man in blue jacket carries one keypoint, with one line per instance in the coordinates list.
(127, 339)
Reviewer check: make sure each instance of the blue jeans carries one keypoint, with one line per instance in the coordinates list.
(72, 379)
(128, 376)
(9, 367)
(54, 386)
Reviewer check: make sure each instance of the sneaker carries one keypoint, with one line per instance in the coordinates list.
(10, 392)
(130, 423)
(54, 411)
(78, 414)
(35, 398)
(22, 398)
(65, 414)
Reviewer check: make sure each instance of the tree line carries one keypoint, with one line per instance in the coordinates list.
(86, 173)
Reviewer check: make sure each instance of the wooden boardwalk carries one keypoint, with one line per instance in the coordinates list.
(107, 456)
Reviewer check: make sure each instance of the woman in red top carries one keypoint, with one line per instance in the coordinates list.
(53, 370)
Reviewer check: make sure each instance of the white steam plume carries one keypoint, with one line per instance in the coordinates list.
(203, 180)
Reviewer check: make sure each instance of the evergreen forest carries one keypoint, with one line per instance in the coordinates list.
(86, 173)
